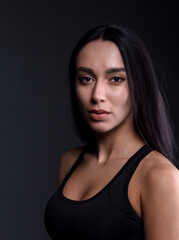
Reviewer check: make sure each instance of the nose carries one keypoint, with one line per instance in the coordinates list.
(98, 93)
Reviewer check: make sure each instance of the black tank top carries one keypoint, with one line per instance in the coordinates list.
(106, 216)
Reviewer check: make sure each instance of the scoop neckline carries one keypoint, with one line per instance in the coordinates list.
(76, 202)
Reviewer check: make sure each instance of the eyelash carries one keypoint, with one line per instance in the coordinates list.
(85, 80)
(119, 79)
(114, 80)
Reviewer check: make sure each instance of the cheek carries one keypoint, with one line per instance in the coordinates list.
(121, 98)
(82, 96)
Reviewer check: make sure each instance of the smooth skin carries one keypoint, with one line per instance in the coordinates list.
(101, 83)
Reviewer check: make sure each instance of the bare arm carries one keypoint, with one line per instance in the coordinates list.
(160, 203)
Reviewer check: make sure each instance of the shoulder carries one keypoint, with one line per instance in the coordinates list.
(158, 171)
(67, 160)
(160, 197)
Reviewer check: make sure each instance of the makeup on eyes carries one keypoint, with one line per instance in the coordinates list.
(112, 71)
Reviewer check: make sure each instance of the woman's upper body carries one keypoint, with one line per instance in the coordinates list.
(119, 109)
(153, 190)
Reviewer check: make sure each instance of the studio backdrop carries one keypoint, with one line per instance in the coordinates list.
(36, 127)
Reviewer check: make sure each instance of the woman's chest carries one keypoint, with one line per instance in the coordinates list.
(89, 179)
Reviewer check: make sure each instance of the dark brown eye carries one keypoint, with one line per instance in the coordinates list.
(116, 80)
(85, 80)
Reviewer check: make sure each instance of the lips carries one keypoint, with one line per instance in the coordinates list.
(98, 114)
(98, 111)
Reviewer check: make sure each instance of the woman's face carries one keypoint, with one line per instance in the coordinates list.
(102, 87)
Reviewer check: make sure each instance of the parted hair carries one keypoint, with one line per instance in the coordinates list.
(150, 115)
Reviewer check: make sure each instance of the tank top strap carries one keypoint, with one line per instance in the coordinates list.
(130, 169)
(137, 158)
(74, 166)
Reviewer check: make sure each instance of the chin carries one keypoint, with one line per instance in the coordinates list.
(101, 129)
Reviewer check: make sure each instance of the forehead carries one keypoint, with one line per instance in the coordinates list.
(98, 54)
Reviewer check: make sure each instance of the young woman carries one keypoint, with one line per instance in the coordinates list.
(123, 184)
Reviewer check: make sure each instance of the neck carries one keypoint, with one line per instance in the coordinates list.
(119, 142)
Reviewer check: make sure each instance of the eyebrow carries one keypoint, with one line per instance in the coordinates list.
(110, 70)
(85, 69)
(113, 70)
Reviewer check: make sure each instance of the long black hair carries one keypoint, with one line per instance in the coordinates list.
(150, 118)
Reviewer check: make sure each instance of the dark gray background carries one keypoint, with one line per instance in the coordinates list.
(36, 39)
